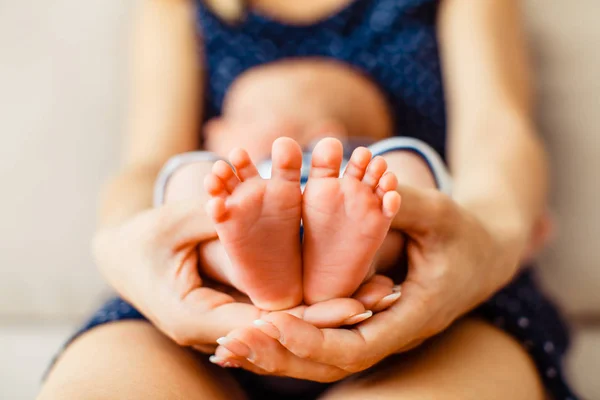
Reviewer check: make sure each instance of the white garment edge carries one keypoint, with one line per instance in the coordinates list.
(429, 155)
(172, 165)
(434, 161)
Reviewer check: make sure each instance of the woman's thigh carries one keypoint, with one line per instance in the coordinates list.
(472, 360)
(133, 360)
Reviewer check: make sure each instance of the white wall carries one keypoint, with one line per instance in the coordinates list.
(62, 68)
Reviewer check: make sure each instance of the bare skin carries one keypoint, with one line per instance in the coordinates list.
(376, 295)
(467, 359)
(470, 361)
(257, 220)
(346, 219)
(258, 224)
(496, 210)
(323, 99)
(496, 68)
(133, 360)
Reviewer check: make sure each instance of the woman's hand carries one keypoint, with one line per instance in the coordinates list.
(152, 262)
(455, 263)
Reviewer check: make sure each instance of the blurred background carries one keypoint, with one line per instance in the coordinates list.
(62, 98)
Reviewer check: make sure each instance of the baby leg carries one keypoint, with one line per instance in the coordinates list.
(185, 183)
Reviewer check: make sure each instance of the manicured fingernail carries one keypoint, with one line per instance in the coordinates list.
(216, 360)
(391, 298)
(387, 301)
(397, 288)
(236, 347)
(268, 328)
(358, 318)
(222, 340)
(222, 362)
(231, 364)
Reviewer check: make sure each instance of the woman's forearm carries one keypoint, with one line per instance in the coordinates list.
(127, 194)
(164, 103)
(497, 161)
(502, 178)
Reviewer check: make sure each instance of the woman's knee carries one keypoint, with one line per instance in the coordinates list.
(472, 360)
(131, 360)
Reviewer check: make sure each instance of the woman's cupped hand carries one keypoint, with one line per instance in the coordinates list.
(455, 262)
(151, 260)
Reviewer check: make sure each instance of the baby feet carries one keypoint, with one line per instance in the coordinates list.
(345, 222)
(345, 219)
(258, 222)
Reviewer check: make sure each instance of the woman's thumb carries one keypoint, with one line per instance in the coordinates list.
(421, 209)
(184, 222)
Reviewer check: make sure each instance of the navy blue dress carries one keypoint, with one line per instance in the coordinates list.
(394, 43)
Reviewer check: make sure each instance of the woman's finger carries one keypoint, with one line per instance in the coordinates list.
(223, 357)
(422, 210)
(335, 313)
(207, 314)
(205, 348)
(199, 326)
(378, 294)
(182, 223)
(269, 355)
(342, 348)
(381, 280)
(352, 349)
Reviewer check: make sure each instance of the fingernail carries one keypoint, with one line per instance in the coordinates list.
(216, 360)
(387, 301)
(222, 362)
(235, 346)
(358, 318)
(222, 340)
(268, 328)
(231, 364)
(397, 288)
(391, 298)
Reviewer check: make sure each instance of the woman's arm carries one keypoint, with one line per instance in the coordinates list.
(458, 254)
(497, 160)
(164, 103)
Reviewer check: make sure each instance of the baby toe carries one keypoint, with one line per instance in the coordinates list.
(391, 204)
(375, 171)
(327, 159)
(223, 171)
(214, 186)
(358, 163)
(287, 159)
(244, 167)
(387, 183)
(216, 209)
